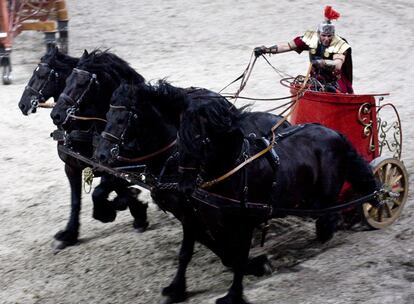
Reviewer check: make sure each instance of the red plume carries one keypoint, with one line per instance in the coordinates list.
(330, 13)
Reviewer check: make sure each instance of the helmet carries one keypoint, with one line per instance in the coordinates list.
(326, 26)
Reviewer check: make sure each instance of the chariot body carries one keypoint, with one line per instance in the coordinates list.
(373, 126)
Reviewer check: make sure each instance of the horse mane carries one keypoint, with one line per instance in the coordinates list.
(107, 62)
(218, 118)
(125, 95)
(165, 98)
(59, 60)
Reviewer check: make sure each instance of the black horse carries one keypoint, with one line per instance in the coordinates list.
(81, 108)
(47, 81)
(311, 164)
(90, 86)
(142, 124)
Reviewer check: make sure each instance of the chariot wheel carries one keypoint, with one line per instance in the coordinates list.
(393, 177)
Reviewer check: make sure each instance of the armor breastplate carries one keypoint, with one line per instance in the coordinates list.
(318, 51)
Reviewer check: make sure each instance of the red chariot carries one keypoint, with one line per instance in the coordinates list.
(373, 127)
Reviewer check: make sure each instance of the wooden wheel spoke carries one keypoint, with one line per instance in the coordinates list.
(387, 174)
(388, 210)
(379, 214)
(381, 175)
(373, 212)
(396, 202)
(395, 180)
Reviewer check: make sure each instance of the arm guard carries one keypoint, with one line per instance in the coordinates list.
(273, 49)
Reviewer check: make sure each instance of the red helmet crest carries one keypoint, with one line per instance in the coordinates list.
(330, 13)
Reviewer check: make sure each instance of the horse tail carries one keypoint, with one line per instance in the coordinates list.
(358, 171)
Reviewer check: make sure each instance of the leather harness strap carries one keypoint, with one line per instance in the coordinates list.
(145, 157)
(272, 143)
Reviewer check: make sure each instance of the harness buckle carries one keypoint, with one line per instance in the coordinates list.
(87, 179)
(115, 151)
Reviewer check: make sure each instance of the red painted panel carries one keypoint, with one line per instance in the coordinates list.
(341, 112)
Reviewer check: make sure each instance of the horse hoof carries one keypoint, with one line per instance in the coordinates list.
(67, 237)
(231, 300)
(141, 227)
(173, 294)
(58, 246)
(267, 268)
(170, 300)
(104, 215)
(259, 266)
(166, 300)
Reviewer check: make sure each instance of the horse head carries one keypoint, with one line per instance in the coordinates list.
(90, 86)
(48, 80)
(135, 129)
(121, 122)
(208, 137)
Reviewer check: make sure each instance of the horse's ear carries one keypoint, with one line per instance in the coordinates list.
(85, 53)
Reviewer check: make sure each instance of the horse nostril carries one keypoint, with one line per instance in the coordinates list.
(102, 157)
(22, 107)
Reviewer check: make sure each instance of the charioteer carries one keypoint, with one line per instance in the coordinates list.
(329, 54)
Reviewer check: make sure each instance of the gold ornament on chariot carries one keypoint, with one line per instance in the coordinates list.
(326, 54)
(313, 51)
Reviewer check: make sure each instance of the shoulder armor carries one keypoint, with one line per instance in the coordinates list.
(338, 46)
(311, 39)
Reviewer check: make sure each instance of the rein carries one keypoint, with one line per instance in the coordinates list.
(145, 157)
(272, 143)
(117, 140)
(86, 118)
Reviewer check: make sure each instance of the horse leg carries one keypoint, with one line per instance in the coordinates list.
(138, 211)
(69, 236)
(238, 253)
(259, 266)
(176, 291)
(128, 197)
(326, 226)
(102, 209)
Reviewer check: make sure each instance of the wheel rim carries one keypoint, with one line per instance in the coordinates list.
(394, 177)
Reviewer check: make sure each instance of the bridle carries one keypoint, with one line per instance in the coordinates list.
(70, 112)
(119, 140)
(39, 97)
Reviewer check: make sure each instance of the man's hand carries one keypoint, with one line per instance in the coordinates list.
(260, 50)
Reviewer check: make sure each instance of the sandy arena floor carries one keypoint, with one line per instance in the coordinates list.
(208, 44)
